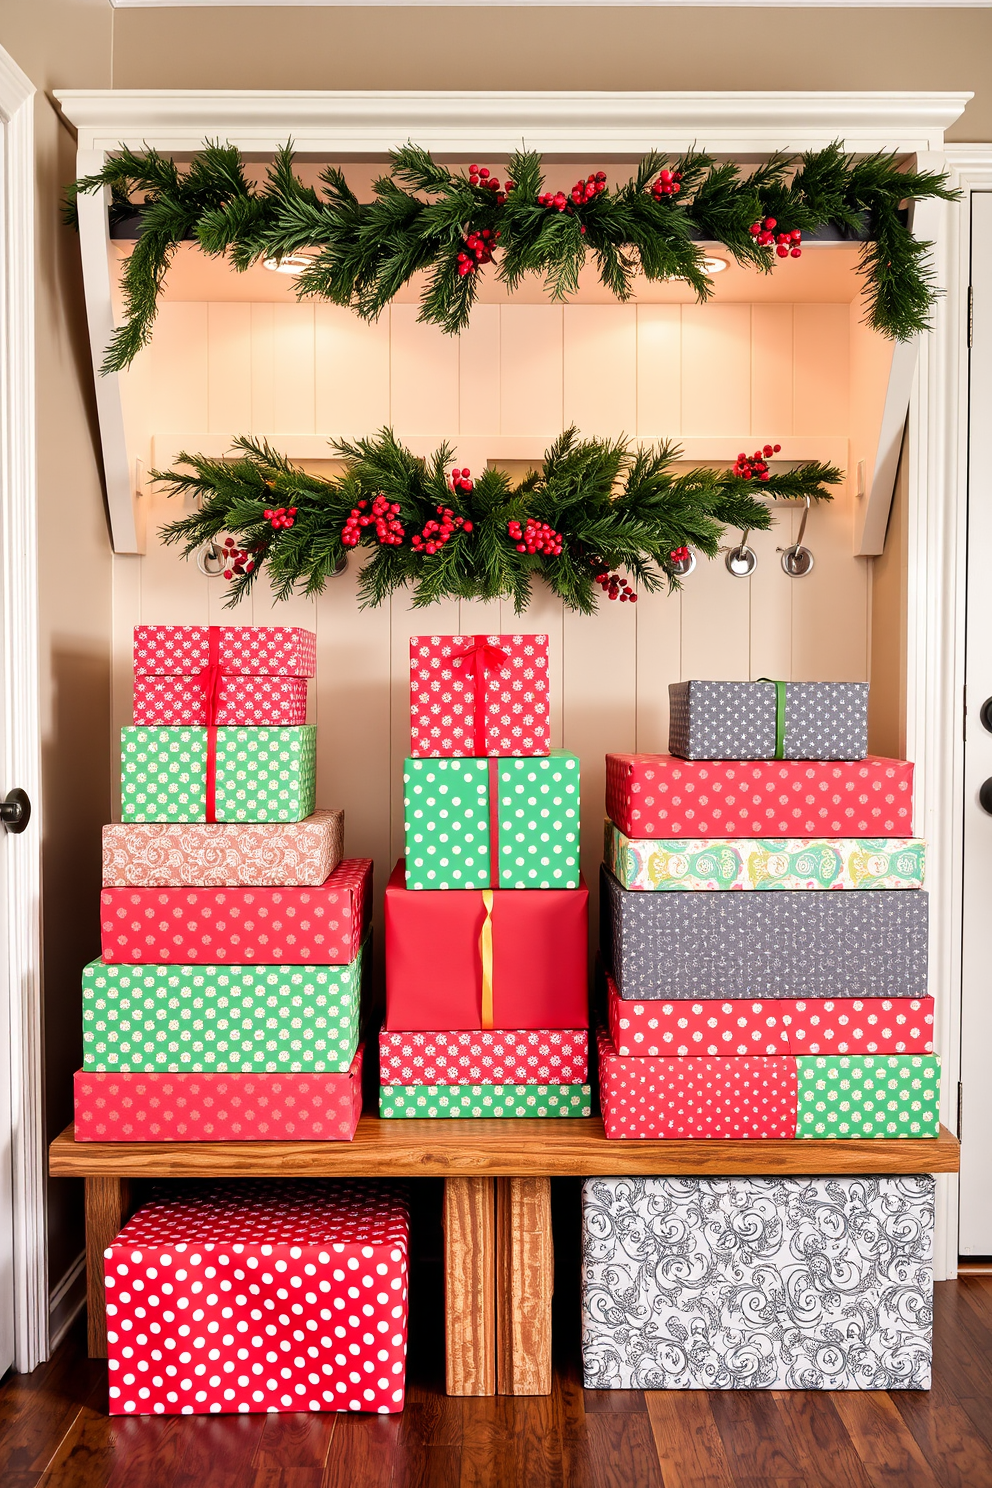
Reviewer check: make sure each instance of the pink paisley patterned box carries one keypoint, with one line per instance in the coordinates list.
(479, 695)
(195, 854)
(230, 675)
(113, 1107)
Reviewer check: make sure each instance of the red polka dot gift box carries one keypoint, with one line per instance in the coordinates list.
(320, 926)
(495, 1056)
(117, 1107)
(249, 1297)
(656, 795)
(229, 675)
(479, 695)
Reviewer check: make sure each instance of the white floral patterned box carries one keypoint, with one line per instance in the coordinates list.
(790, 1283)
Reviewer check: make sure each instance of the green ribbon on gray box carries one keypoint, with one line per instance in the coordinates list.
(779, 715)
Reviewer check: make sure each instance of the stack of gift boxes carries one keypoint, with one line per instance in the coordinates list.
(487, 915)
(226, 1003)
(760, 1003)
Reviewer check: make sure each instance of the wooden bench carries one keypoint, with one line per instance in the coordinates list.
(497, 1207)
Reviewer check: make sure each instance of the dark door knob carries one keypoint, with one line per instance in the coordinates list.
(985, 714)
(15, 811)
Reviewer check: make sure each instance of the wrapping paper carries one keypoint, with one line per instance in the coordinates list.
(450, 676)
(869, 1096)
(183, 701)
(844, 1025)
(262, 774)
(223, 1256)
(221, 1020)
(450, 1102)
(321, 926)
(115, 1107)
(737, 720)
(764, 945)
(757, 1283)
(435, 963)
(197, 855)
(772, 863)
(655, 795)
(503, 1056)
(242, 650)
(487, 823)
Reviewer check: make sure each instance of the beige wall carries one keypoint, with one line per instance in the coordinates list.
(59, 42)
(635, 48)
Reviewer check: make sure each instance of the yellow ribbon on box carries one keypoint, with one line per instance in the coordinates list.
(486, 952)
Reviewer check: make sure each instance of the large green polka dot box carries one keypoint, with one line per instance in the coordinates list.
(868, 1095)
(453, 809)
(265, 774)
(221, 1019)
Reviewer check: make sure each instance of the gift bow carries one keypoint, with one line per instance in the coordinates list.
(480, 658)
(209, 680)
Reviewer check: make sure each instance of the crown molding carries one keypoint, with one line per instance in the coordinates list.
(603, 123)
(521, 4)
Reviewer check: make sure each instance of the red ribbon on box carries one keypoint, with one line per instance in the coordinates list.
(209, 678)
(480, 657)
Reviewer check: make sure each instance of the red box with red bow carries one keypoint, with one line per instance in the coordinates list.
(229, 675)
(485, 958)
(479, 695)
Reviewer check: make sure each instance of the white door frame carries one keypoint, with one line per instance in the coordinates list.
(20, 911)
(621, 123)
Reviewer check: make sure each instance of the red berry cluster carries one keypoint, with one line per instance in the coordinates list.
(667, 183)
(480, 247)
(237, 561)
(612, 585)
(679, 555)
(479, 175)
(755, 467)
(787, 243)
(383, 514)
(436, 534)
(461, 480)
(587, 190)
(536, 537)
(280, 516)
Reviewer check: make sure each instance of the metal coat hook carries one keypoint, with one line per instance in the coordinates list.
(683, 566)
(797, 560)
(210, 559)
(742, 560)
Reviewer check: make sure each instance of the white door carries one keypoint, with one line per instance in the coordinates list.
(976, 1012)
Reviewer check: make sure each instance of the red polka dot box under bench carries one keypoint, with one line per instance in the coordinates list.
(260, 1297)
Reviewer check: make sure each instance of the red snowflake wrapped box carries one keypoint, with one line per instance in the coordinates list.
(842, 1025)
(228, 675)
(485, 958)
(656, 795)
(479, 695)
(320, 926)
(247, 1297)
(498, 1056)
(697, 1096)
(112, 1107)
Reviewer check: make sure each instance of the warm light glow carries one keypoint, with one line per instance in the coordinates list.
(290, 263)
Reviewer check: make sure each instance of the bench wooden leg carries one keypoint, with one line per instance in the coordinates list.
(524, 1286)
(469, 1286)
(107, 1209)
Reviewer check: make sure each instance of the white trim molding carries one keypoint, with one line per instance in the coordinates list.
(20, 915)
(522, 4)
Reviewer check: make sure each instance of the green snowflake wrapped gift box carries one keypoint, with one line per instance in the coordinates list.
(448, 1102)
(451, 817)
(239, 774)
(221, 1019)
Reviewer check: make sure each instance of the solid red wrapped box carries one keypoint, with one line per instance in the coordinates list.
(497, 1056)
(657, 795)
(485, 958)
(248, 1297)
(320, 926)
(479, 695)
(698, 1096)
(228, 675)
(842, 1025)
(218, 1108)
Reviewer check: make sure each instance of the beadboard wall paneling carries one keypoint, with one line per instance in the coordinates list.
(520, 373)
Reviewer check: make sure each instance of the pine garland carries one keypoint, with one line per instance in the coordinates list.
(423, 217)
(596, 508)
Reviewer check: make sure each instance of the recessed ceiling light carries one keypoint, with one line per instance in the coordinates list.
(289, 263)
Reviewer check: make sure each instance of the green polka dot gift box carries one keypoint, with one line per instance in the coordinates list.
(492, 823)
(218, 774)
(221, 1019)
(449, 1102)
(895, 1095)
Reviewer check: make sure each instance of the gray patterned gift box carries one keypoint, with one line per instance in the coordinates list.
(791, 944)
(821, 1283)
(738, 720)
